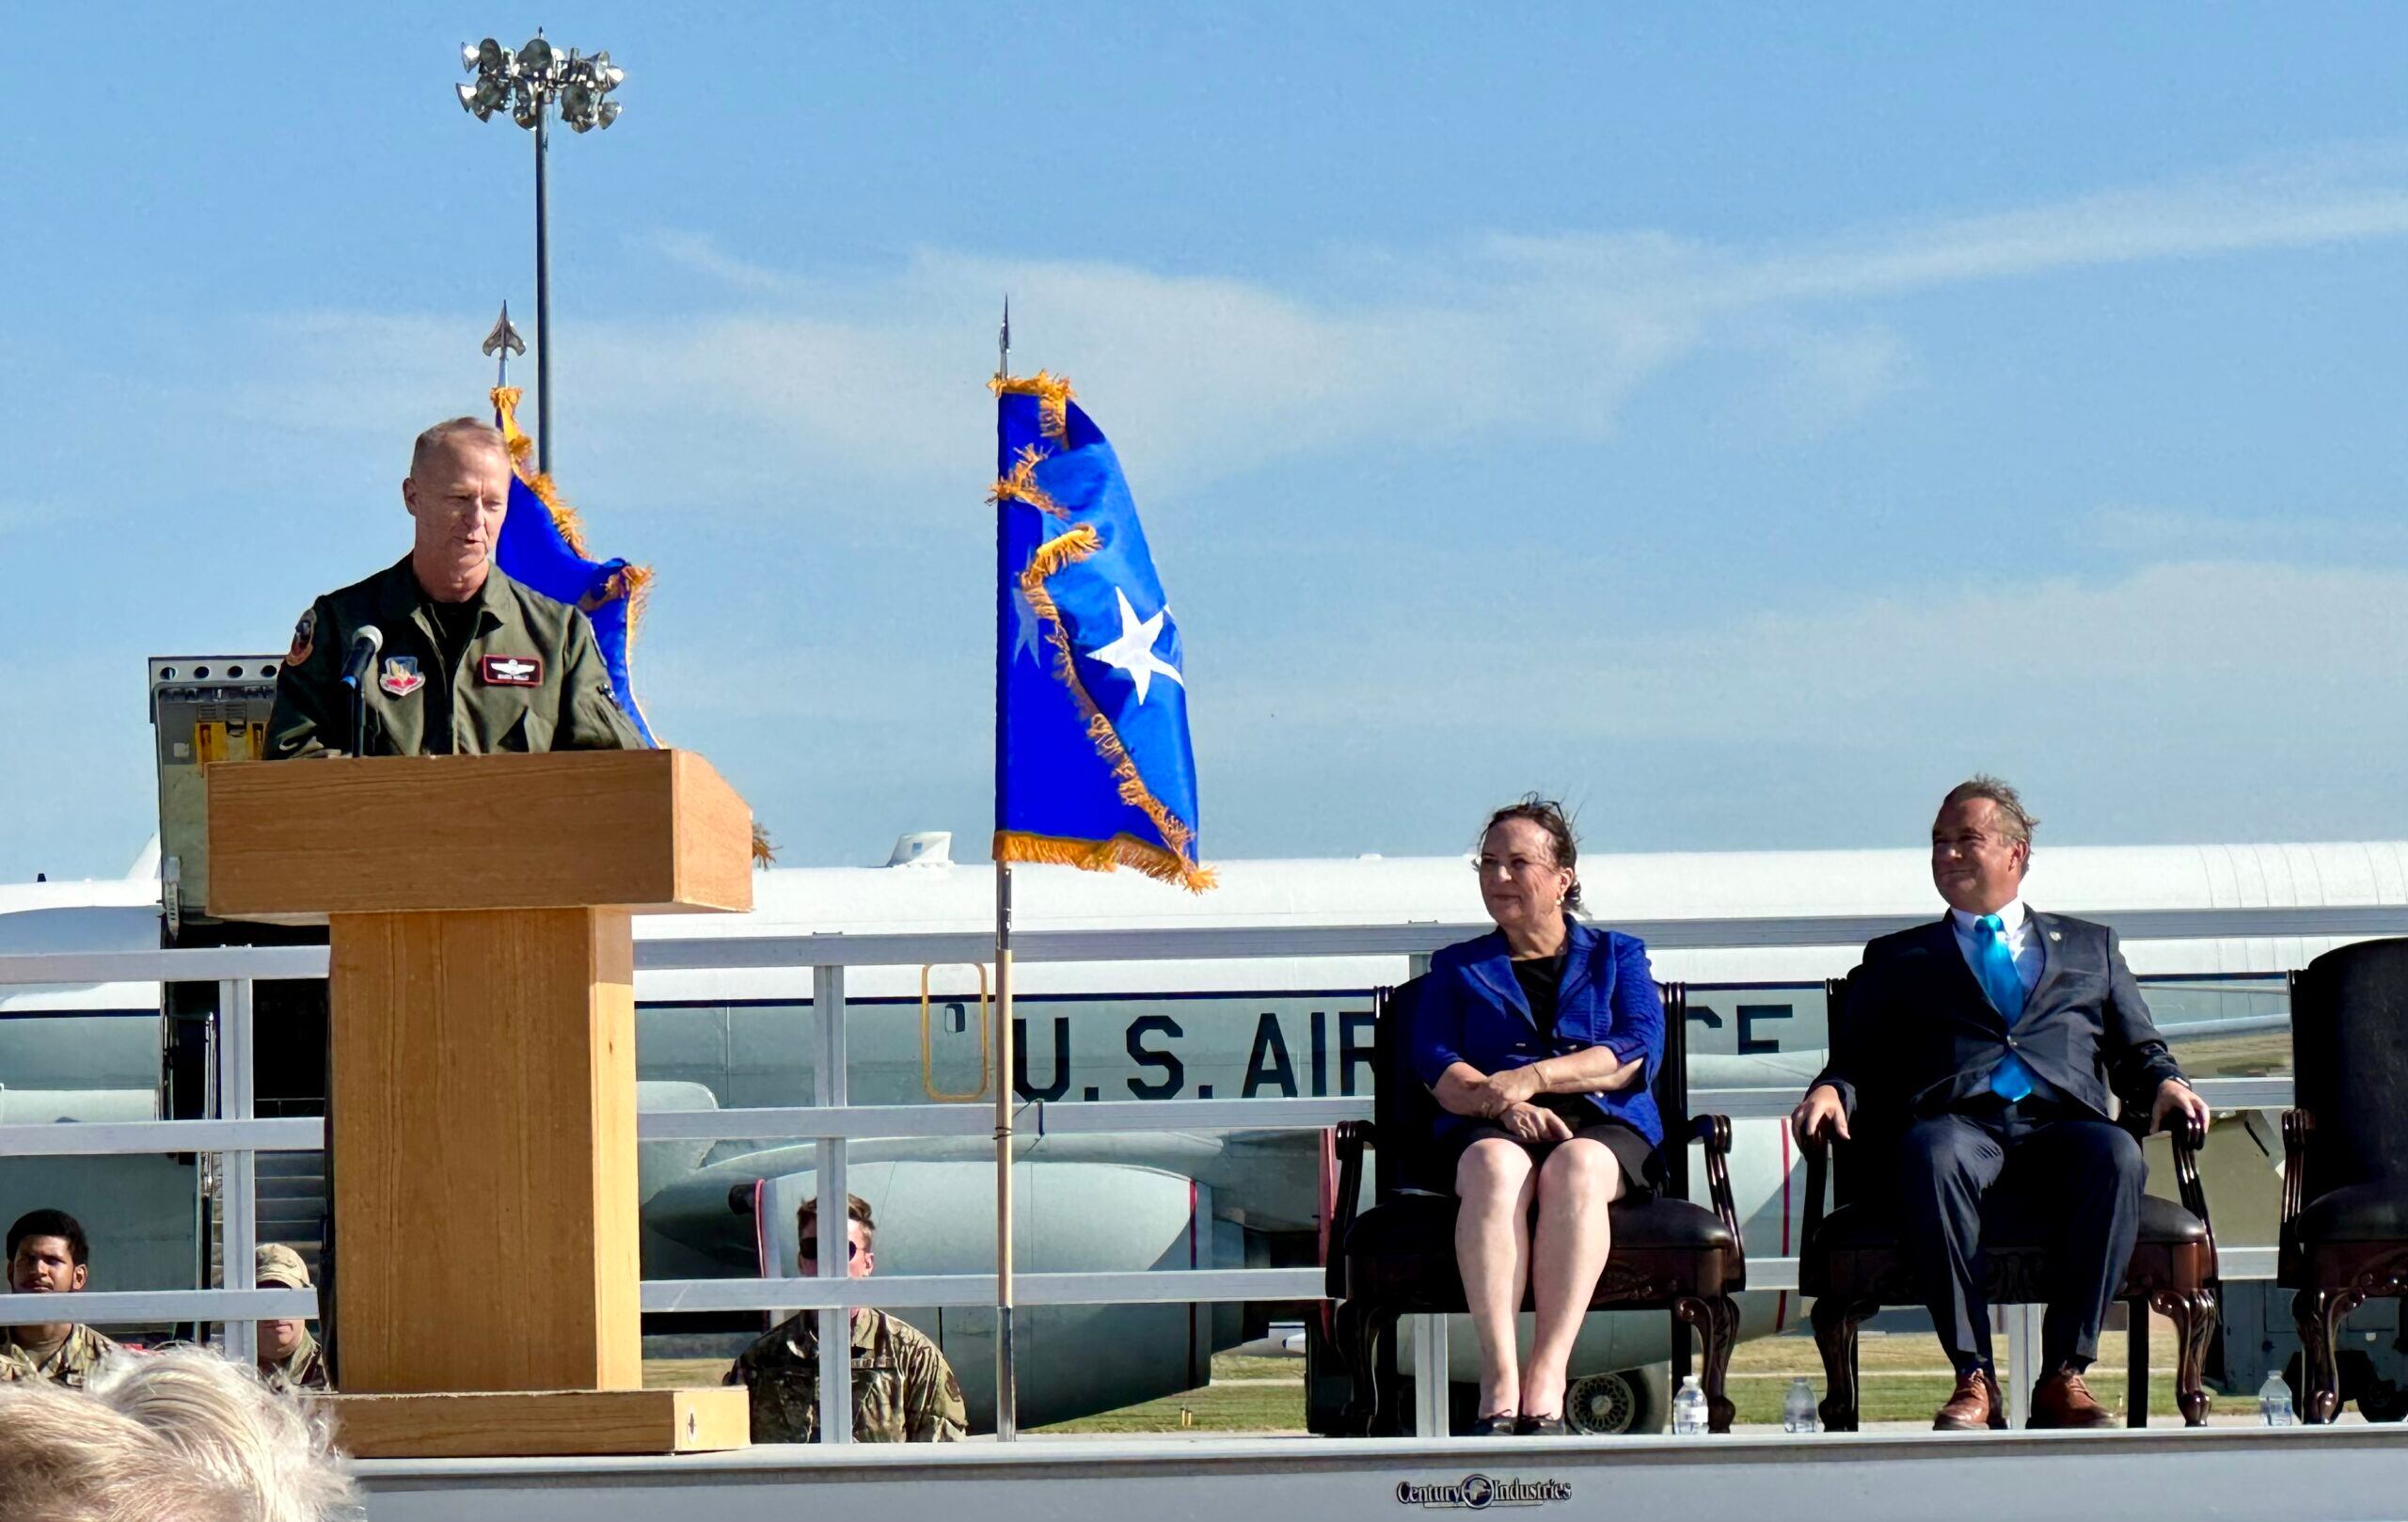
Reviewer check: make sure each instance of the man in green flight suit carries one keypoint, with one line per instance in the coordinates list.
(290, 1358)
(903, 1389)
(48, 1254)
(471, 661)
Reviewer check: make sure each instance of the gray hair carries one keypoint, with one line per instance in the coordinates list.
(2015, 821)
(180, 1436)
(456, 432)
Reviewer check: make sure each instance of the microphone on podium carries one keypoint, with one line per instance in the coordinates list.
(357, 662)
(363, 655)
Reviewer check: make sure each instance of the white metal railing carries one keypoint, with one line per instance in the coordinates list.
(236, 1135)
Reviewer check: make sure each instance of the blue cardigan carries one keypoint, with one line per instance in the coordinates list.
(1472, 1010)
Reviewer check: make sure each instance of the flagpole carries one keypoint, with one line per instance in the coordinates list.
(1006, 1385)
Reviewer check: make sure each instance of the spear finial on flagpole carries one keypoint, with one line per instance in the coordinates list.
(1004, 341)
(501, 343)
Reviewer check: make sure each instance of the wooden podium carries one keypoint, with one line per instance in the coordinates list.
(482, 1096)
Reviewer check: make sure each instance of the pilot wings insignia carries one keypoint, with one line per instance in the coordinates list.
(510, 671)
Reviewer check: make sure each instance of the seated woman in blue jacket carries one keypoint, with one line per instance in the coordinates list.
(1540, 1041)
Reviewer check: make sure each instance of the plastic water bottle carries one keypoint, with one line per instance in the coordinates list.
(1689, 1408)
(2275, 1400)
(1798, 1412)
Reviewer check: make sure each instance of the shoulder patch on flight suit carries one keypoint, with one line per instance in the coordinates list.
(400, 676)
(510, 671)
(305, 638)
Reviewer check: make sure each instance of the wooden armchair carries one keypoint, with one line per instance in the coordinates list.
(2345, 1151)
(1850, 1262)
(1398, 1258)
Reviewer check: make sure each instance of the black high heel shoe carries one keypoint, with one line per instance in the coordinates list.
(1503, 1425)
(1540, 1427)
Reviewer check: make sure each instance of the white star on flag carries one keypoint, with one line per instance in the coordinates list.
(1134, 651)
(1024, 634)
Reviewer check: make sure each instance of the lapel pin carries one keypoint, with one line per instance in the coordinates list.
(2056, 935)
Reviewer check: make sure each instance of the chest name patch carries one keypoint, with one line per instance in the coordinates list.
(510, 671)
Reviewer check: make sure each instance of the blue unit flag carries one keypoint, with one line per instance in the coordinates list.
(543, 546)
(1093, 766)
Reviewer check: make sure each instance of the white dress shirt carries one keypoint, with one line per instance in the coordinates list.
(2021, 942)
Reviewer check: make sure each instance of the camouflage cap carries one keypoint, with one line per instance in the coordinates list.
(280, 1264)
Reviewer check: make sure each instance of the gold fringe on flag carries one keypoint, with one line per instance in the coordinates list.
(1052, 393)
(1101, 856)
(1021, 486)
(635, 582)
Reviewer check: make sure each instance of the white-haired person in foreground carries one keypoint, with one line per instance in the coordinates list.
(180, 1436)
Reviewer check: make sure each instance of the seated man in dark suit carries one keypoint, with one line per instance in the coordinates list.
(1994, 1036)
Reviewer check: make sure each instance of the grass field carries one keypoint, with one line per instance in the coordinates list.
(1904, 1379)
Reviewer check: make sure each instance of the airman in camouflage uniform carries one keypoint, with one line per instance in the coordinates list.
(290, 1357)
(472, 662)
(903, 1389)
(303, 1370)
(48, 1254)
(69, 1363)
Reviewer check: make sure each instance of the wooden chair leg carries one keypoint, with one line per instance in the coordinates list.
(1357, 1337)
(1721, 1338)
(2137, 1362)
(2194, 1316)
(1716, 1320)
(2317, 1315)
(1835, 1323)
(2191, 1383)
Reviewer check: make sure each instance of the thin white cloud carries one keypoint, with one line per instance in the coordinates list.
(2227, 654)
(872, 382)
(2340, 195)
(2149, 534)
(875, 374)
(699, 253)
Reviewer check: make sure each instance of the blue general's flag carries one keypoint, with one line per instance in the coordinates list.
(1092, 762)
(543, 546)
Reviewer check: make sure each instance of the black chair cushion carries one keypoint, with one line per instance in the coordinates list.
(1424, 1226)
(2360, 1212)
(2007, 1224)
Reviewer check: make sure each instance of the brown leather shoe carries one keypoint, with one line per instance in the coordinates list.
(2062, 1400)
(1971, 1408)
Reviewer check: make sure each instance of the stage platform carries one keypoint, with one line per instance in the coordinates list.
(2298, 1474)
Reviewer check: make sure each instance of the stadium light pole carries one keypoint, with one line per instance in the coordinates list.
(529, 85)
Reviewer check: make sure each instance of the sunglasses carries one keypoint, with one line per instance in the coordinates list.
(810, 1249)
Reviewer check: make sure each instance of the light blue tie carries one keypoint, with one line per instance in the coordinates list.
(2010, 1080)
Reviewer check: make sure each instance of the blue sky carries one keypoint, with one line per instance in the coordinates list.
(1741, 419)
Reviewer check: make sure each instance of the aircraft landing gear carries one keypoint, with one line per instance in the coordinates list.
(1613, 1404)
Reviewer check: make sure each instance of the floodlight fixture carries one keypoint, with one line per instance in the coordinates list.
(531, 84)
